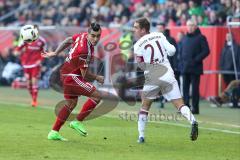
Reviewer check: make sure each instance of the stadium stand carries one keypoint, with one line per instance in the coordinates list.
(116, 12)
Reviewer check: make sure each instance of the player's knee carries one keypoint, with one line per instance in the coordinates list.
(29, 83)
(96, 96)
(34, 80)
(145, 108)
(72, 103)
(177, 102)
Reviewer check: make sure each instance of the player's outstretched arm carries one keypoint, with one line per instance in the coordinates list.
(168, 47)
(65, 44)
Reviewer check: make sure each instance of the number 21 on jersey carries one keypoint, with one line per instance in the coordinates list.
(152, 60)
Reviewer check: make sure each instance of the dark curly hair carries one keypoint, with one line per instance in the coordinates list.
(94, 27)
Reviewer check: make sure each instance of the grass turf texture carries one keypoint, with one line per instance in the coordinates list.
(23, 132)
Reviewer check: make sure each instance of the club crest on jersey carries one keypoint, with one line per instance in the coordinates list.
(39, 43)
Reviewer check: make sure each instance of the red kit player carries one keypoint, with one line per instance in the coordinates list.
(74, 76)
(30, 56)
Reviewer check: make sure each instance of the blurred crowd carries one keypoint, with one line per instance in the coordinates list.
(117, 12)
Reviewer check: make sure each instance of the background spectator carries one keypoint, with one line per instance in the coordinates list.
(9, 67)
(180, 36)
(194, 50)
(226, 59)
(172, 59)
(78, 12)
(231, 93)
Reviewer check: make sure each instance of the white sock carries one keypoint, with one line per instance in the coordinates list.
(142, 120)
(187, 114)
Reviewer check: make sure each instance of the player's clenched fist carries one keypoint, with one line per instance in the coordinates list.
(100, 79)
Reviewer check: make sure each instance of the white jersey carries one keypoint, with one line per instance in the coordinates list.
(154, 48)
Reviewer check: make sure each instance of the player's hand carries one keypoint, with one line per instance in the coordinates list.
(38, 62)
(48, 54)
(16, 53)
(100, 79)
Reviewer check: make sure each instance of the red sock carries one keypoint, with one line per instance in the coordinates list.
(87, 108)
(62, 117)
(30, 90)
(34, 92)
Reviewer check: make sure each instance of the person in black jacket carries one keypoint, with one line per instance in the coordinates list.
(179, 59)
(194, 49)
(226, 59)
(161, 27)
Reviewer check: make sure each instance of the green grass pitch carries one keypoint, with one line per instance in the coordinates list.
(23, 133)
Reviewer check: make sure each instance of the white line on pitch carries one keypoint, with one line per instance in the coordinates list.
(168, 123)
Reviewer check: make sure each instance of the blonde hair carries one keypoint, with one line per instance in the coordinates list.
(143, 23)
(192, 22)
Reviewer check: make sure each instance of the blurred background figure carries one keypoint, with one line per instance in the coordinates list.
(179, 68)
(161, 27)
(194, 50)
(116, 12)
(226, 59)
(231, 93)
(180, 36)
(31, 59)
(9, 67)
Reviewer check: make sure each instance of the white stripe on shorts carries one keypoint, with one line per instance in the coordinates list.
(88, 88)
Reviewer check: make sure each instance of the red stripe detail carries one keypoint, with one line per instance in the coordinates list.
(181, 107)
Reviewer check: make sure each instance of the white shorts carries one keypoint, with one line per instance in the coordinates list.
(165, 85)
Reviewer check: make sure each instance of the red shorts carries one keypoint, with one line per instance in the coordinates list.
(32, 72)
(74, 86)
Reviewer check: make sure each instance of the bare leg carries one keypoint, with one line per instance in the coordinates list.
(142, 119)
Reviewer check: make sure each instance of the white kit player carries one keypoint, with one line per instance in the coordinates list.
(151, 52)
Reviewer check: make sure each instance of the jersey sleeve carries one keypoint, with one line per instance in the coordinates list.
(138, 54)
(20, 46)
(79, 49)
(137, 51)
(83, 55)
(43, 44)
(170, 49)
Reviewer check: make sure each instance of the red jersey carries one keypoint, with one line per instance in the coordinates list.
(80, 55)
(32, 53)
